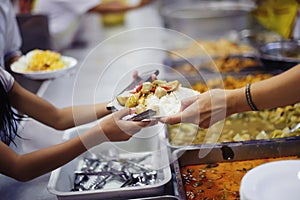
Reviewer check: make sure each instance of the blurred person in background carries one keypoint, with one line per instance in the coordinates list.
(65, 15)
(10, 40)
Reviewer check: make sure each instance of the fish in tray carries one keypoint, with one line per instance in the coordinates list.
(154, 99)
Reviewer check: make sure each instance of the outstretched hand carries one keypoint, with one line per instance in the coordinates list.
(117, 129)
(204, 110)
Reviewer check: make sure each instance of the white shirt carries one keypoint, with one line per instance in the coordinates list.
(10, 39)
(7, 79)
(64, 18)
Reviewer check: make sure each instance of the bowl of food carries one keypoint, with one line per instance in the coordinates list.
(43, 64)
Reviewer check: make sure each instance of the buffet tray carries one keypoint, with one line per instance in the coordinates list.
(240, 80)
(173, 147)
(207, 154)
(223, 56)
(62, 179)
(189, 69)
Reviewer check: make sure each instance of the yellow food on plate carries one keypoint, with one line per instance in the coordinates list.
(44, 60)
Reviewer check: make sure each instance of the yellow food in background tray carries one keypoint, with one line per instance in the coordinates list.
(229, 82)
(44, 61)
(222, 64)
(234, 64)
(266, 124)
(226, 55)
(221, 48)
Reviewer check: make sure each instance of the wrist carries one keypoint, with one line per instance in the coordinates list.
(93, 137)
(236, 101)
(249, 98)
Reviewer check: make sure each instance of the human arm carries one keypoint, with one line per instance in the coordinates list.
(45, 112)
(28, 166)
(117, 6)
(212, 106)
(277, 91)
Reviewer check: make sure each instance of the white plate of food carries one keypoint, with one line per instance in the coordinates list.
(272, 181)
(160, 96)
(43, 64)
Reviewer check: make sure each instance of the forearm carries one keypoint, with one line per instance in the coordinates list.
(236, 101)
(46, 113)
(277, 91)
(32, 165)
(29, 166)
(110, 7)
(280, 90)
(116, 6)
(65, 118)
(78, 115)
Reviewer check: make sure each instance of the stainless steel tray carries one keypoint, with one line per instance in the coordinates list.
(175, 70)
(204, 154)
(174, 147)
(62, 180)
(189, 81)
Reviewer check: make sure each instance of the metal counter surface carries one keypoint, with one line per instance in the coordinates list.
(60, 92)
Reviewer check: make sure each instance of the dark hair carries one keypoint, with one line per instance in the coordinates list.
(9, 118)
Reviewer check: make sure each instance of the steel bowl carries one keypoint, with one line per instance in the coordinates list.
(207, 19)
(281, 54)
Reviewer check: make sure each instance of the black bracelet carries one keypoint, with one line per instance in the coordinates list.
(249, 99)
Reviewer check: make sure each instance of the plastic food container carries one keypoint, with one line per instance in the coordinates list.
(62, 180)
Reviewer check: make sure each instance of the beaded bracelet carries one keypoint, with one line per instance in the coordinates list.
(249, 99)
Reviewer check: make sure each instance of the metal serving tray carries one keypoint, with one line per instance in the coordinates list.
(175, 69)
(204, 145)
(189, 81)
(62, 180)
(205, 154)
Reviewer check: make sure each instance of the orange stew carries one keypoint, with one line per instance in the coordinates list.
(218, 180)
